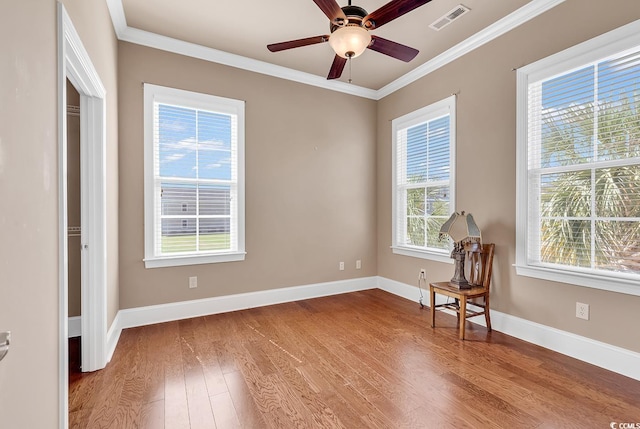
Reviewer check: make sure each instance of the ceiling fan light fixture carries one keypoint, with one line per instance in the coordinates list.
(349, 41)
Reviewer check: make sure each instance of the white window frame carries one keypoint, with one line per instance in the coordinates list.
(425, 114)
(599, 48)
(160, 94)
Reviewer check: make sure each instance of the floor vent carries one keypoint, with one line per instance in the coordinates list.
(449, 17)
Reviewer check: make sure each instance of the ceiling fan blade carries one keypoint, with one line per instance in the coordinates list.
(391, 11)
(332, 9)
(393, 49)
(337, 67)
(275, 47)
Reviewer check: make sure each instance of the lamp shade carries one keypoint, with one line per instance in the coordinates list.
(461, 227)
(349, 41)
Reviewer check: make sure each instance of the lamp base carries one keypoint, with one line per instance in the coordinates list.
(458, 280)
(464, 284)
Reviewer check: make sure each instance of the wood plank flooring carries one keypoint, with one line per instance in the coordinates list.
(360, 360)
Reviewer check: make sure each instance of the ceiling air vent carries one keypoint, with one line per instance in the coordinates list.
(449, 17)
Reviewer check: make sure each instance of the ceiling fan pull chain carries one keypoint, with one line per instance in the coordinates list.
(350, 66)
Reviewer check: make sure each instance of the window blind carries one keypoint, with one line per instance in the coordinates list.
(584, 167)
(422, 178)
(193, 178)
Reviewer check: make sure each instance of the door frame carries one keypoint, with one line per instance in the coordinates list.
(75, 64)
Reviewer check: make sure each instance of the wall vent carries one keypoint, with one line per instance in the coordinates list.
(449, 17)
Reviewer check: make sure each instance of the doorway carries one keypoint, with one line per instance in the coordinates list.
(75, 67)
(74, 230)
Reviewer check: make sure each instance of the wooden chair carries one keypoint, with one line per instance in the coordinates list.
(480, 259)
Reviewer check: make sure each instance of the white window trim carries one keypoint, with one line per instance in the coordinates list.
(195, 100)
(618, 40)
(442, 107)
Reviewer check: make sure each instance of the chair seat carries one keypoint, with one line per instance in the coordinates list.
(446, 288)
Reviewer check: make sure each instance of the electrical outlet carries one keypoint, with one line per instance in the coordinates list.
(358, 264)
(423, 274)
(582, 311)
(341, 266)
(193, 282)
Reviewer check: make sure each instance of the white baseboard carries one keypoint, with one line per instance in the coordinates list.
(613, 358)
(132, 317)
(75, 330)
(74, 326)
(113, 335)
(601, 354)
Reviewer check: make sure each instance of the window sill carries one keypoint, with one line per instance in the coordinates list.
(176, 261)
(422, 254)
(627, 286)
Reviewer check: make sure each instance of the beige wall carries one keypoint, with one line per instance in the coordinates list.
(29, 214)
(307, 209)
(29, 290)
(486, 117)
(310, 182)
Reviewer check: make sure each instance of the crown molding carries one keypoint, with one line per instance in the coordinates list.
(497, 29)
(153, 40)
(116, 10)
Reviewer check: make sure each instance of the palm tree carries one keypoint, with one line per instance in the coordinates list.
(567, 199)
(427, 210)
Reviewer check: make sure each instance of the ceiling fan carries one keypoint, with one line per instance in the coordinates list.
(350, 26)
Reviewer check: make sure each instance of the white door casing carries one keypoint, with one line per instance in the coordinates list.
(74, 64)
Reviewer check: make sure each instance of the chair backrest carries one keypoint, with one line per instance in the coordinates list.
(480, 259)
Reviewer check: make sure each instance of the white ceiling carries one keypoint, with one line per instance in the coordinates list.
(216, 28)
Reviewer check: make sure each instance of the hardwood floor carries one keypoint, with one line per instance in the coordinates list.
(360, 360)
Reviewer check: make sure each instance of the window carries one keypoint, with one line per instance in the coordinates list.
(578, 213)
(194, 178)
(423, 180)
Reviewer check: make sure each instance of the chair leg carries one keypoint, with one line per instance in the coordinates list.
(487, 316)
(432, 304)
(463, 316)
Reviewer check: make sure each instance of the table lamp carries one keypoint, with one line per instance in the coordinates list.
(462, 230)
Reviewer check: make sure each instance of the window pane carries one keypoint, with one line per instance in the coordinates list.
(416, 231)
(566, 242)
(566, 194)
(214, 146)
(176, 141)
(215, 234)
(434, 223)
(438, 201)
(438, 153)
(426, 216)
(428, 151)
(415, 202)
(417, 154)
(567, 118)
(618, 117)
(178, 199)
(618, 246)
(175, 238)
(618, 192)
(214, 200)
